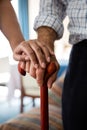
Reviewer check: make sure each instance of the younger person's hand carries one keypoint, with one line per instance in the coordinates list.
(34, 51)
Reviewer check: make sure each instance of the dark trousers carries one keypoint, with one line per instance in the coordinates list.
(74, 97)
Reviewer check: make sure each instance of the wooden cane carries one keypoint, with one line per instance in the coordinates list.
(44, 108)
(51, 68)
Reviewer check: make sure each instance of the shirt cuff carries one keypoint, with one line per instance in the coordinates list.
(49, 21)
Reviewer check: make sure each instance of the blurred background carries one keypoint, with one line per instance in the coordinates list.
(11, 83)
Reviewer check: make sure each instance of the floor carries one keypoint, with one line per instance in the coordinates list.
(11, 108)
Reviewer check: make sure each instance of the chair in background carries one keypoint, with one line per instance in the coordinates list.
(14, 84)
(29, 88)
(4, 71)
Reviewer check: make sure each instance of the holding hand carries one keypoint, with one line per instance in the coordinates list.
(35, 55)
(40, 73)
(34, 51)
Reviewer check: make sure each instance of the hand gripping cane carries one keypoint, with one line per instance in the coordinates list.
(51, 68)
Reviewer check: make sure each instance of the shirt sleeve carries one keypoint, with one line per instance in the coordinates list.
(51, 14)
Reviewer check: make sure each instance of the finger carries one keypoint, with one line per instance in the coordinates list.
(27, 50)
(39, 53)
(40, 76)
(19, 57)
(51, 80)
(31, 55)
(45, 51)
(28, 66)
(22, 64)
(32, 70)
(50, 47)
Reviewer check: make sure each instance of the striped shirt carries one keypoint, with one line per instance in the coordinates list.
(53, 12)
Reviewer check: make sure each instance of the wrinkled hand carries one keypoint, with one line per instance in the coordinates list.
(35, 51)
(34, 55)
(39, 73)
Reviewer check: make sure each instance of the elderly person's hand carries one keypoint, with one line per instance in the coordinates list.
(39, 73)
(39, 50)
(34, 55)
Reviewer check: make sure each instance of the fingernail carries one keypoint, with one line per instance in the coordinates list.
(49, 86)
(36, 66)
(48, 59)
(43, 65)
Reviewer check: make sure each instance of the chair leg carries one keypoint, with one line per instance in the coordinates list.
(21, 106)
(33, 102)
(21, 99)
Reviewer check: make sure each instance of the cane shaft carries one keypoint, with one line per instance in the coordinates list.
(44, 108)
(51, 68)
(44, 97)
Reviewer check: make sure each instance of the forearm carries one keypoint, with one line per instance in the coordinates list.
(47, 35)
(9, 24)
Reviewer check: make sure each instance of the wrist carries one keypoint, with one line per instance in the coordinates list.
(15, 42)
(46, 34)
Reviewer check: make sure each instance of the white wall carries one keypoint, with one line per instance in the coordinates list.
(33, 11)
(5, 49)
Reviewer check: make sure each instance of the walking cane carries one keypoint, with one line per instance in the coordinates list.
(51, 68)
